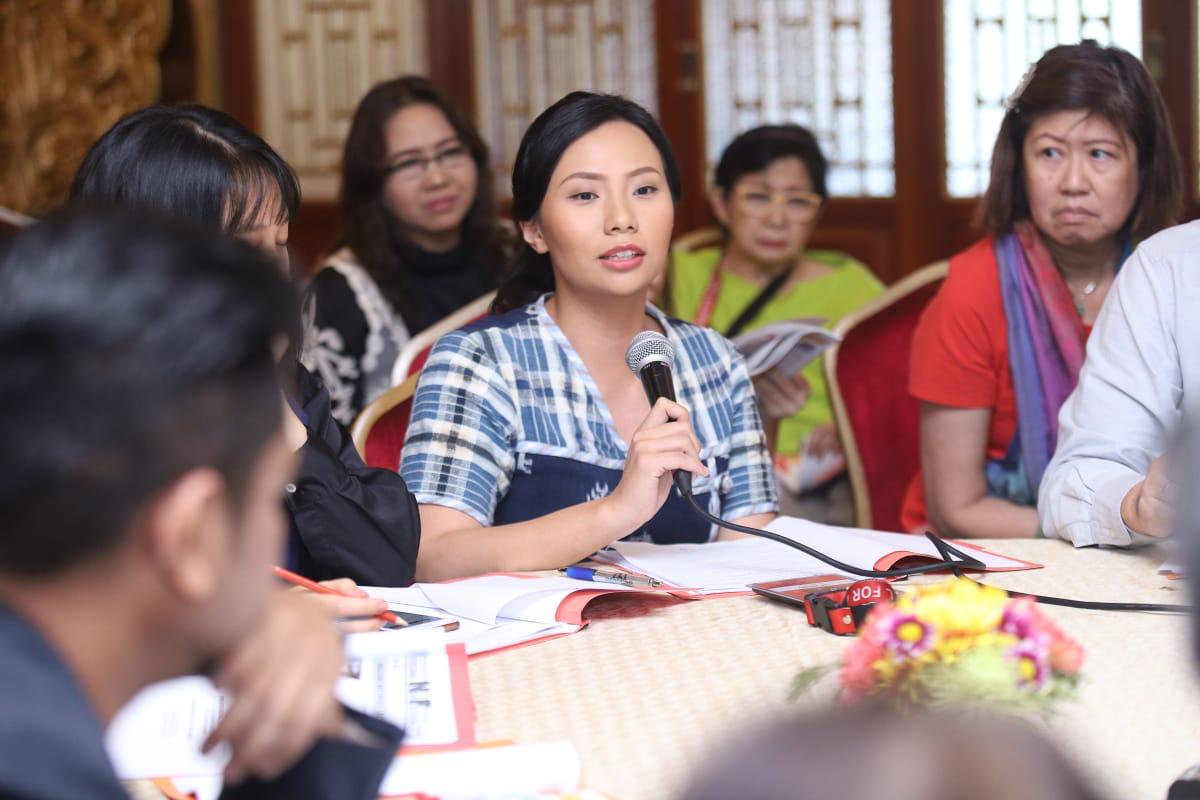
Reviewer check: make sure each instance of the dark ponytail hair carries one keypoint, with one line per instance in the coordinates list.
(557, 128)
(188, 162)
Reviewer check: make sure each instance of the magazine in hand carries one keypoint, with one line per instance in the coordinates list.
(790, 345)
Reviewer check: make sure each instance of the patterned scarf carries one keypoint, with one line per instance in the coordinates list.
(1046, 346)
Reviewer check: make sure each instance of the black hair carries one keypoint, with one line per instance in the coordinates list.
(189, 162)
(757, 148)
(131, 351)
(542, 146)
(850, 751)
(197, 165)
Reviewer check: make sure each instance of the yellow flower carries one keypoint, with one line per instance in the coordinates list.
(956, 607)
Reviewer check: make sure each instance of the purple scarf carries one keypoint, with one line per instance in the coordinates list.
(1046, 346)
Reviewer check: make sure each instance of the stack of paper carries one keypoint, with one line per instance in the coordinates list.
(512, 771)
(410, 678)
(729, 566)
(548, 771)
(497, 611)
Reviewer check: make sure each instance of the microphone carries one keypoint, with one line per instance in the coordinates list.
(650, 356)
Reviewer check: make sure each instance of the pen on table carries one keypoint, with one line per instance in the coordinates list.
(605, 576)
(313, 586)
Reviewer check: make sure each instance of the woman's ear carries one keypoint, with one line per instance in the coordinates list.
(720, 208)
(531, 232)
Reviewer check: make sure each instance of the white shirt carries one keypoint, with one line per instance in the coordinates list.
(1143, 360)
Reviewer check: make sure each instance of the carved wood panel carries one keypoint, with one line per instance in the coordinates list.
(69, 70)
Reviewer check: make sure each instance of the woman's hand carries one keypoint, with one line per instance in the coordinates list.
(355, 608)
(823, 441)
(663, 443)
(281, 676)
(779, 395)
(1149, 507)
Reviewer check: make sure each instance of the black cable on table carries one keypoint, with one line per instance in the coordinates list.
(953, 559)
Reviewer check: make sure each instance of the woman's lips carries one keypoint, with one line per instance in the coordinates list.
(772, 244)
(440, 206)
(1073, 216)
(623, 258)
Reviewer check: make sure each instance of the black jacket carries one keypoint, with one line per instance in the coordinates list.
(52, 742)
(348, 520)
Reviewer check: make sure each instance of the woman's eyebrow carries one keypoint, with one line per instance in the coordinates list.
(596, 176)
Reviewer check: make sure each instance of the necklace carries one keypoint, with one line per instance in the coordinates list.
(1086, 291)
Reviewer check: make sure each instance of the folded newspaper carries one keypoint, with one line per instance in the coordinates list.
(789, 346)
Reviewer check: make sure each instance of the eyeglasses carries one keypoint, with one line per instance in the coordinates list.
(797, 206)
(414, 168)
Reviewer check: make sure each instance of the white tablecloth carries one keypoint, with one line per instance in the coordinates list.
(650, 687)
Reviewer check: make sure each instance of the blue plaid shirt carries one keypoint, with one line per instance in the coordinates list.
(507, 425)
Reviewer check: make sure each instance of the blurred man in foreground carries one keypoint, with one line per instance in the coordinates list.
(141, 465)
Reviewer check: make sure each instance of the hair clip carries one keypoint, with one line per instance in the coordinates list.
(1010, 104)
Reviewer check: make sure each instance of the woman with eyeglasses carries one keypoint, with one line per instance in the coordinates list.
(419, 238)
(768, 196)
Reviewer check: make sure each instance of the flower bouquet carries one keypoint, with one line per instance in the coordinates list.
(958, 644)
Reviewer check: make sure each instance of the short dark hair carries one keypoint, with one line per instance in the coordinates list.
(842, 751)
(131, 351)
(1107, 81)
(542, 147)
(189, 162)
(758, 148)
(368, 227)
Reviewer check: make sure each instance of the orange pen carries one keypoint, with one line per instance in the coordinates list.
(313, 586)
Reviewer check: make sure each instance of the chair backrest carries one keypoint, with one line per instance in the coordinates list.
(13, 221)
(414, 354)
(378, 431)
(877, 420)
(698, 240)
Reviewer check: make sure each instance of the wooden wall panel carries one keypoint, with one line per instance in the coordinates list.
(68, 72)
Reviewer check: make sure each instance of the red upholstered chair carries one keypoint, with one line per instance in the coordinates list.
(378, 431)
(877, 420)
(416, 352)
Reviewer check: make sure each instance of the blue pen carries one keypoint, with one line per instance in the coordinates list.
(602, 576)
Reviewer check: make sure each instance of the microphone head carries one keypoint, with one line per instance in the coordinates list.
(646, 348)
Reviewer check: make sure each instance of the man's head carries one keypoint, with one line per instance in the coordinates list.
(141, 418)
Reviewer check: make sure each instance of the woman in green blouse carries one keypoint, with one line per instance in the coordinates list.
(769, 192)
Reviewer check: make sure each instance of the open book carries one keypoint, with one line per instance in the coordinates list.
(498, 611)
(790, 345)
(730, 566)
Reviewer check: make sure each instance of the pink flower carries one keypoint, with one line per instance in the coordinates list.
(1066, 656)
(908, 636)
(1020, 617)
(1031, 663)
(858, 667)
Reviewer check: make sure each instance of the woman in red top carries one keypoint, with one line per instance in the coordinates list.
(1084, 166)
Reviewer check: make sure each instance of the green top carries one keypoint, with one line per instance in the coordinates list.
(849, 286)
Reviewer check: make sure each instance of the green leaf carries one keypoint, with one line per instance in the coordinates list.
(807, 678)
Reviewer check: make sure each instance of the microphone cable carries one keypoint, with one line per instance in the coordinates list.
(953, 559)
(947, 550)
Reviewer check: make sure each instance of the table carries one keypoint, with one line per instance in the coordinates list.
(651, 686)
